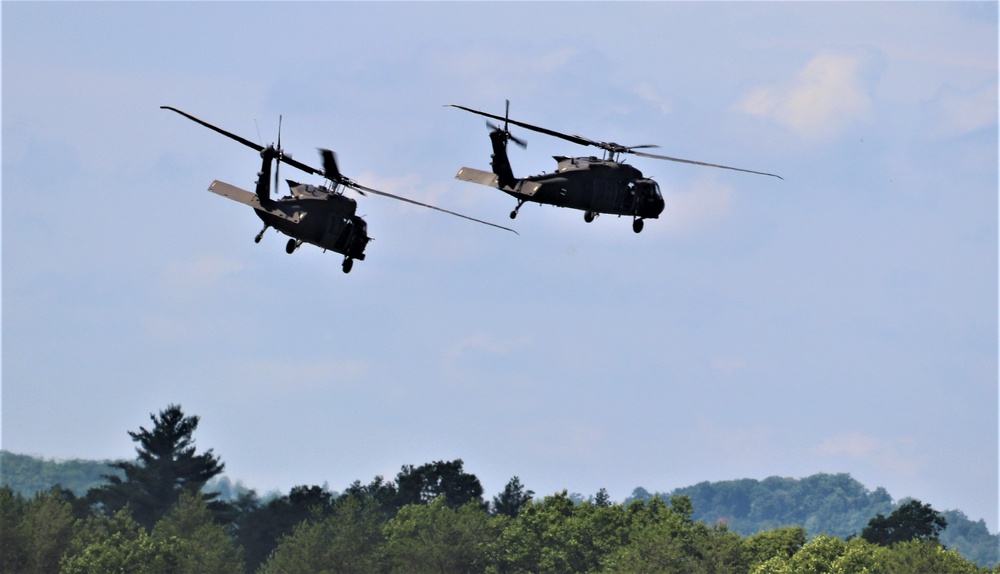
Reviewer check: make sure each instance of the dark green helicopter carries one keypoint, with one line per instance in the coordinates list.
(320, 215)
(590, 184)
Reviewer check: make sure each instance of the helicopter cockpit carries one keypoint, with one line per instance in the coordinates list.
(650, 200)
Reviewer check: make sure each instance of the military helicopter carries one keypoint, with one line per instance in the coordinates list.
(320, 215)
(590, 184)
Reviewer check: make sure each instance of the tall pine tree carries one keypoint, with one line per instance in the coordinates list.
(167, 466)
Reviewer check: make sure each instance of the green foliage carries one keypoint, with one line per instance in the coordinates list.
(347, 541)
(781, 542)
(512, 499)
(911, 521)
(378, 494)
(436, 537)
(535, 541)
(668, 541)
(559, 535)
(925, 556)
(823, 503)
(422, 484)
(970, 539)
(34, 534)
(204, 546)
(260, 527)
(120, 553)
(115, 543)
(827, 554)
(184, 541)
(13, 555)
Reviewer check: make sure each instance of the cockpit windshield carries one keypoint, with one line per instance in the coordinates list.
(648, 188)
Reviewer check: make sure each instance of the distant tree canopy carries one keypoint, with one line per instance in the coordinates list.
(911, 521)
(425, 483)
(28, 474)
(168, 466)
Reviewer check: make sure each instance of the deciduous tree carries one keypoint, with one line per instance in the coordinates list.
(911, 521)
(435, 537)
(422, 484)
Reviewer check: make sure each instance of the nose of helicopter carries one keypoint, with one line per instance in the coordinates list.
(652, 206)
(658, 204)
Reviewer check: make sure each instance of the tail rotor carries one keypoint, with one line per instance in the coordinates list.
(506, 128)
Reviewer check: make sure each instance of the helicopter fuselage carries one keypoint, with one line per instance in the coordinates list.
(325, 219)
(594, 185)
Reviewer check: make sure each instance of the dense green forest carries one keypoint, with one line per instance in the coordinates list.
(171, 510)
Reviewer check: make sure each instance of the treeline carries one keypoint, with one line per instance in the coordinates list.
(155, 516)
(353, 533)
(834, 504)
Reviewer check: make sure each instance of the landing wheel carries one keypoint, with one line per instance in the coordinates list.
(513, 214)
(291, 246)
(348, 265)
(637, 225)
(589, 216)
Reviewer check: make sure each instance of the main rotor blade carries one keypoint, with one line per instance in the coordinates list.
(243, 141)
(332, 172)
(360, 187)
(654, 156)
(246, 142)
(574, 138)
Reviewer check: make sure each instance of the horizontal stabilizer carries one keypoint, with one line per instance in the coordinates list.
(477, 176)
(481, 177)
(527, 187)
(245, 197)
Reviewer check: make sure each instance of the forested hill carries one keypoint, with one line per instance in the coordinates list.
(27, 474)
(823, 503)
(834, 504)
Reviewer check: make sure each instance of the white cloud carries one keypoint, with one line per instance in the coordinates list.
(650, 95)
(300, 375)
(964, 112)
(482, 344)
(827, 96)
(745, 445)
(700, 205)
(892, 455)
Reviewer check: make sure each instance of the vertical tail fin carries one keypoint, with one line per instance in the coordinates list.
(500, 163)
(264, 175)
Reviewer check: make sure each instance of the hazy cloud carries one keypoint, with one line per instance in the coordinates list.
(825, 97)
(893, 455)
(697, 206)
(188, 277)
(962, 112)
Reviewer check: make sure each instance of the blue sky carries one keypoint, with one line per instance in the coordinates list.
(841, 320)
